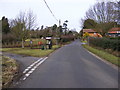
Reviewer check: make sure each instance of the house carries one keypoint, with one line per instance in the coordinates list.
(114, 32)
(91, 33)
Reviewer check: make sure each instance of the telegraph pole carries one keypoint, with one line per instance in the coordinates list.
(59, 22)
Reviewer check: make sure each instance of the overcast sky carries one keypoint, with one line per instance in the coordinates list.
(71, 10)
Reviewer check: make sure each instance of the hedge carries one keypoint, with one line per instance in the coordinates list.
(105, 43)
(26, 43)
(65, 39)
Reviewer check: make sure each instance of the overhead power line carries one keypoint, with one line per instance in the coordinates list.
(50, 10)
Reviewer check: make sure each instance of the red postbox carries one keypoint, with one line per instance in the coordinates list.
(39, 43)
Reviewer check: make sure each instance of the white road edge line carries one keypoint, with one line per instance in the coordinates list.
(34, 68)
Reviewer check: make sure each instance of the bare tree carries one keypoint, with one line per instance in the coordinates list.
(19, 27)
(31, 20)
(28, 18)
(105, 14)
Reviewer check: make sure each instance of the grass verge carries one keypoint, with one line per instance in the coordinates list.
(9, 71)
(31, 52)
(109, 57)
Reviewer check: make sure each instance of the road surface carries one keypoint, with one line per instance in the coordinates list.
(72, 67)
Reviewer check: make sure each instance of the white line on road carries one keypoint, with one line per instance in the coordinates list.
(27, 75)
(34, 68)
(24, 78)
(31, 65)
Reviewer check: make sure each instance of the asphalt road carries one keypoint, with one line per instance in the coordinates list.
(72, 67)
(23, 61)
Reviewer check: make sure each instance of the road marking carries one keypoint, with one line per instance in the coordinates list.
(30, 72)
(27, 74)
(32, 65)
(29, 67)
(24, 78)
(32, 69)
(39, 62)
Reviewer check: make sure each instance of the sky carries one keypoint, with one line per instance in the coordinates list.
(71, 10)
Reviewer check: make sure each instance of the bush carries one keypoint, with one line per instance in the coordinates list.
(15, 44)
(114, 38)
(105, 43)
(65, 39)
(8, 38)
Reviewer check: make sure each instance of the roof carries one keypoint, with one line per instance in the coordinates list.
(114, 30)
(89, 30)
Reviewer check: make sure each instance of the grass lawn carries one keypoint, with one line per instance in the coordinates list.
(9, 69)
(31, 52)
(109, 57)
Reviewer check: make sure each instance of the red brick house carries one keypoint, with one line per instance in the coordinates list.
(114, 32)
(91, 33)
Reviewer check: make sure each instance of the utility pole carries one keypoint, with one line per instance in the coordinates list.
(59, 22)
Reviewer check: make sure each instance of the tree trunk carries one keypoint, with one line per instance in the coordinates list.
(22, 43)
